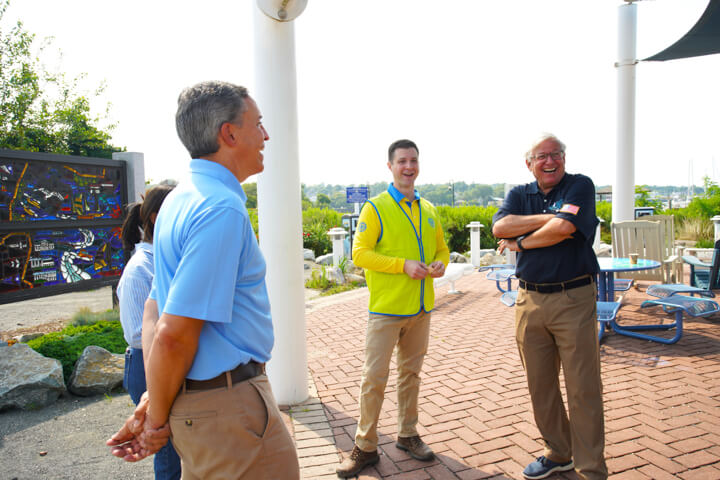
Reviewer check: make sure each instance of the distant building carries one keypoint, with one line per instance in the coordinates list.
(603, 194)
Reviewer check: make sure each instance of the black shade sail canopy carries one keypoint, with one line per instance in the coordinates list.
(702, 39)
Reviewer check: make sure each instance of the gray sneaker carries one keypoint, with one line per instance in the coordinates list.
(544, 467)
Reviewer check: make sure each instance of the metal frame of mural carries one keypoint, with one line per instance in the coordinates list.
(60, 220)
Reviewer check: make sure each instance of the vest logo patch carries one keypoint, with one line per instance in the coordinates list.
(570, 208)
(431, 222)
(362, 226)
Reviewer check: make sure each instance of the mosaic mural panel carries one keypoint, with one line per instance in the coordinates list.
(33, 259)
(34, 190)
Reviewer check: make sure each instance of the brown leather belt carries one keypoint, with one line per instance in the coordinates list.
(242, 372)
(556, 287)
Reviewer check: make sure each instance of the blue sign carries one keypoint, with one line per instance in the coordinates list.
(356, 194)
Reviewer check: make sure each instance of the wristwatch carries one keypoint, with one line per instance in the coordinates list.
(518, 240)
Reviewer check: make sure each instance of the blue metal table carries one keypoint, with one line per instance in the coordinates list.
(606, 290)
(610, 265)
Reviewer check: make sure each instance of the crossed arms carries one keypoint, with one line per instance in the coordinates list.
(541, 230)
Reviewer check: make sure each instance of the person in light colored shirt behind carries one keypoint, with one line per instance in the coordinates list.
(133, 290)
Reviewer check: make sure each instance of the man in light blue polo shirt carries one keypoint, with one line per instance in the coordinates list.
(206, 354)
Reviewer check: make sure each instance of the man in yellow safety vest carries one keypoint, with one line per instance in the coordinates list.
(400, 245)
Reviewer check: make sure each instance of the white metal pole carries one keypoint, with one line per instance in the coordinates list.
(279, 208)
(623, 195)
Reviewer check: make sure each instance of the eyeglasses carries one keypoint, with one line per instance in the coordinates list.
(543, 156)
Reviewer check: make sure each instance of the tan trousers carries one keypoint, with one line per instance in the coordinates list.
(411, 335)
(554, 329)
(233, 433)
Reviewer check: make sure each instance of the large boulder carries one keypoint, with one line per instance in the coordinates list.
(492, 259)
(97, 371)
(456, 257)
(351, 277)
(28, 380)
(326, 259)
(334, 274)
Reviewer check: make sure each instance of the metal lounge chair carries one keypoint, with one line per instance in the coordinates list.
(677, 304)
(509, 298)
(606, 313)
(666, 290)
(502, 275)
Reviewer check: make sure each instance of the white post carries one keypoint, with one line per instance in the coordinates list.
(596, 241)
(475, 242)
(279, 208)
(135, 162)
(716, 221)
(337, 235)
(624, 187)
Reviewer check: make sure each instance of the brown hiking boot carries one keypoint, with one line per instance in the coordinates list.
(357, 460)
(415, 447)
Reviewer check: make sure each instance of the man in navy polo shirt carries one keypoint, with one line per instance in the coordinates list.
(551, 224)
(206, 353)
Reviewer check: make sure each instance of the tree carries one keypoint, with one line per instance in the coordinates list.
(322, 201)
(41, 111)
(642, 198)
(250, 190)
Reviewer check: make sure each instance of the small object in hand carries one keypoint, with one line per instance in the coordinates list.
(633, 258)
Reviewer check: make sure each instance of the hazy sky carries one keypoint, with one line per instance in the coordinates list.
(471, 81)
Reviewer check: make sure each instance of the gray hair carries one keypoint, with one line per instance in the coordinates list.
(541, 139)
(202, 109)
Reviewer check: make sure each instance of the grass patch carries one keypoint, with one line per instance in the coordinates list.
(319, 281)
(68, 344)
(341, 288)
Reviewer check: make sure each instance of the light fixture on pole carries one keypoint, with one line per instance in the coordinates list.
(282, 10)
(451, 188)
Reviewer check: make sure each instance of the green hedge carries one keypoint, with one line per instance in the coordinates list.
(68, 344)
(455, 220)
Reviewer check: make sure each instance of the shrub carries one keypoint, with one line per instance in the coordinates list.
(604, 211)
(319, 280)
(457, 235)
(85, 317)
(696, 228)
(316, 223)
(68, 344)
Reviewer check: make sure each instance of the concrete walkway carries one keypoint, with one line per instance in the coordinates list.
(662, 401)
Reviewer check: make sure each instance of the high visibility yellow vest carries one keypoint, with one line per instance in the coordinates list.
(393, 293)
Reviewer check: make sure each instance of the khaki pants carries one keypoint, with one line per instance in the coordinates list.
(554, 329)
(232, 433)
(411, 335)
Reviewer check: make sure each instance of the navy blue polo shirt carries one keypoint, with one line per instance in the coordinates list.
(572, 199)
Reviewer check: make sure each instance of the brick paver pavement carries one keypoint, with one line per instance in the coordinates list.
(662, 402)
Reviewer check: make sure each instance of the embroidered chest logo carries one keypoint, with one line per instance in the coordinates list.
(431, 222)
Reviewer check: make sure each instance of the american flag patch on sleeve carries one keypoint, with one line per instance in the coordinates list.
(569, 208)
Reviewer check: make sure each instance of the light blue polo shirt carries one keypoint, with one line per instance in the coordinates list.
(208, 266)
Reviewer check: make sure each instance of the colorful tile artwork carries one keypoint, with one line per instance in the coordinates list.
(52, 257)
(72, 248)
(34, 190)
